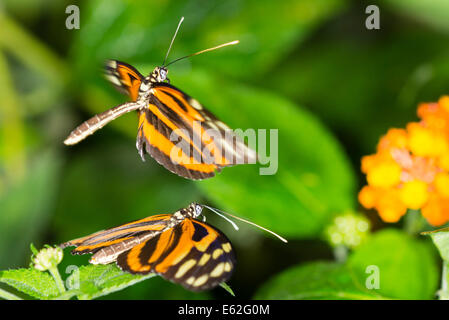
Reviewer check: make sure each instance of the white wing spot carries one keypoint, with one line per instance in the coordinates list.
(218, 270)
(186, 266)
(226, 247)
(201, 280)
(196, 104)
(204, 259)
(217, 253)
(114, 80)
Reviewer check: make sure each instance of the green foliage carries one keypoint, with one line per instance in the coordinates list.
(85, 282)
(408, 267)
(440, 238)
(37, 284)
(99, 280)
(318, 280)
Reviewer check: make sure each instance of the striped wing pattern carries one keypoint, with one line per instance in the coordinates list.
(193, 254)
(124, 77)
(106, 245)
(183, 250)
(185, 138)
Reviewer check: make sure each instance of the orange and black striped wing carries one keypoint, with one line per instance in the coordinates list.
(106, 245)
(187, 139)
(193, 254)
(124, 77)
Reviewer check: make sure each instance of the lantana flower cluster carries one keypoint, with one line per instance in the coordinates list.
(410, 169)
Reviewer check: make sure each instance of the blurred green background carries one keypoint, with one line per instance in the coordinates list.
(308, 68)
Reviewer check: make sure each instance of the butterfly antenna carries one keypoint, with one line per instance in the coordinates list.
(173, 39)
(224, 217)
(218, 211)
(205, 50)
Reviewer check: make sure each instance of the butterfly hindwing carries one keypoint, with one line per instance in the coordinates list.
(173, 152)
(193, 254)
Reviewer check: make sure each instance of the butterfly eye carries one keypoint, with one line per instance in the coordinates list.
(163, 74)
(198, 210)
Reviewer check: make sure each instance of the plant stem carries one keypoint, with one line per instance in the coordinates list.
(11, 127)
(413, 222)
(341, 253)
(443, 293)
(59, 283)
(8, 296)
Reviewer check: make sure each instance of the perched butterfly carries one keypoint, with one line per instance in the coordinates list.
(175, 129)
(176, 246)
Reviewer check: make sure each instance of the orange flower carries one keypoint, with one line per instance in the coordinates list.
(410, 169)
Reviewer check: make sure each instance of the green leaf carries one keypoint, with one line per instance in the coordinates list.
(318, 280)
(93, 281)
(441, 240)
(407, 267)
(35, 283)
(311, 183)
(225, 286)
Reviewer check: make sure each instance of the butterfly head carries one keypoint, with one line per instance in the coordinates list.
(159, 74)
(195, 209)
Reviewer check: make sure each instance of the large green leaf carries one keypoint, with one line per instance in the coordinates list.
(35, 283)
(407, 267)
(314, 179)
(318, 280)
(93, 281)
(441, 240)
(141, 30)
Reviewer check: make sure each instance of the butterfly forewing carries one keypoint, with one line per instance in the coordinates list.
(97, 122)
(193, 254)
(106, 245)
(124, 77)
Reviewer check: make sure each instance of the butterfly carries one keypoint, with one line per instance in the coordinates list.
(174, 128)
(176, 246)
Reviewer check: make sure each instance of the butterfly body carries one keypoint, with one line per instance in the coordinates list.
(176, 246)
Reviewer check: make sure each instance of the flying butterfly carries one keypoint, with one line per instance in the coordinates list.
(176, 246)
(175, 129)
